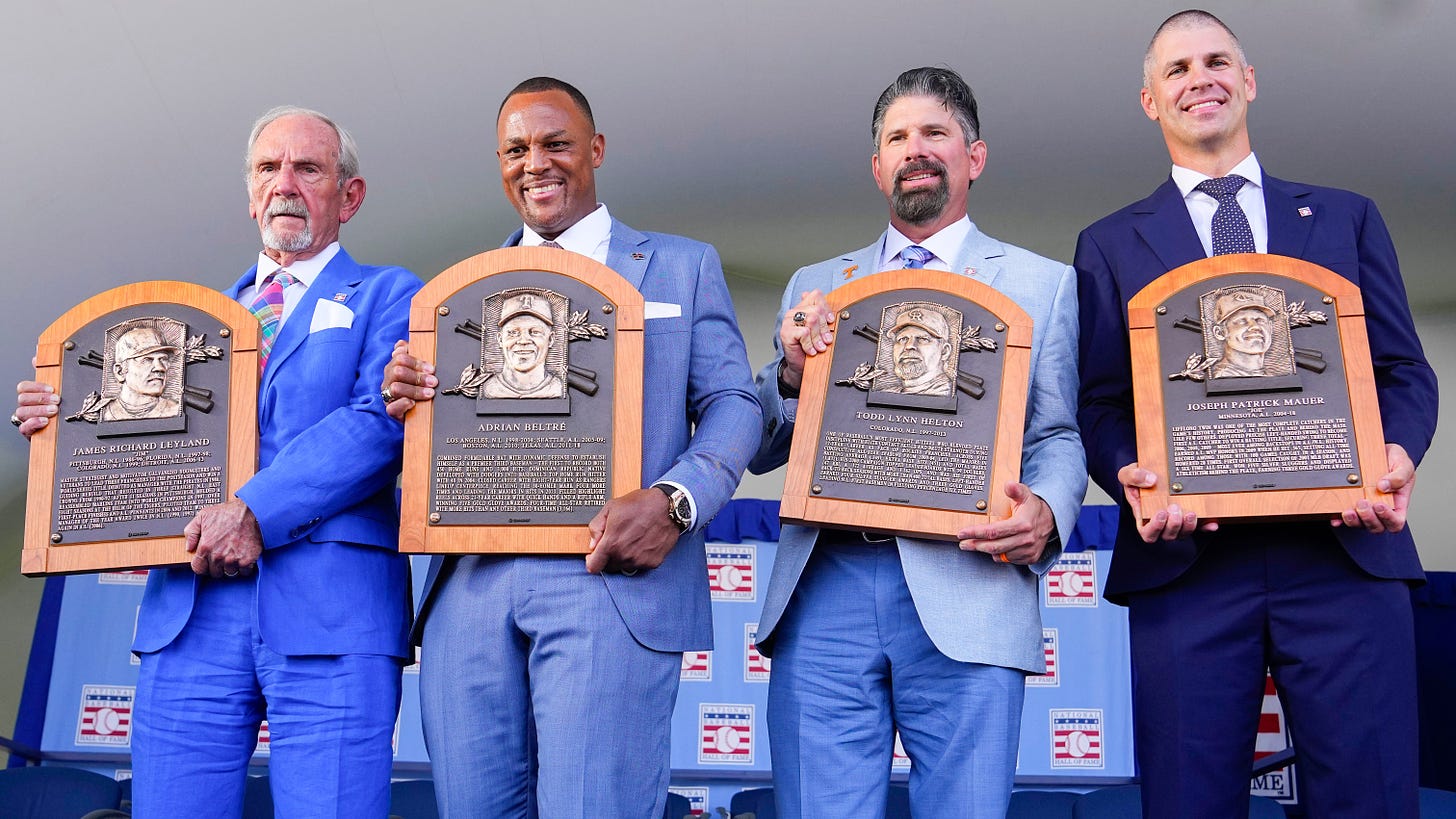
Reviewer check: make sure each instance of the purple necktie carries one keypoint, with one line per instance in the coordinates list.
(1231, 233)
(916, 256)
(268, 307)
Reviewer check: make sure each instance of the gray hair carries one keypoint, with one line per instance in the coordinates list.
(348, 149)
(1182, 21)
(941, 84)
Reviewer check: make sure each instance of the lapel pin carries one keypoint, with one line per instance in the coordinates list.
(638, 256)
(1306, 212)
(849, 271)
(341, 297)
(970, 271)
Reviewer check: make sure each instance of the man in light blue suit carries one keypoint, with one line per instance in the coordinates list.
(295, 608)
(871, 634)
(544, 680)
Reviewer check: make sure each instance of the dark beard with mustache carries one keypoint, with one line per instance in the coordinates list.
(922, 204)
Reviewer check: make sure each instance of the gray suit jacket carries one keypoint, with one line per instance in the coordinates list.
(974, 609)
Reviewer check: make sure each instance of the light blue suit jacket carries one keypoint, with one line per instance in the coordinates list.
(700, 424)
(975, 610)
(330, 579)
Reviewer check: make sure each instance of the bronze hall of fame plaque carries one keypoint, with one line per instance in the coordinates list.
(158, 417)
(1254, 390)
(537, 421)
(911, 423)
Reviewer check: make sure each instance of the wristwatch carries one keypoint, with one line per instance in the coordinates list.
(679, 509)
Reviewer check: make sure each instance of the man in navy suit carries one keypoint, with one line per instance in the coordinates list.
(295, 608)
(1324, 607)
(530, 659)
(872, 634)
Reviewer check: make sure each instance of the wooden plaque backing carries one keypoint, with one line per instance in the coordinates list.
(801, 504)
(236, 333)
(418, 535)
(1150, 381)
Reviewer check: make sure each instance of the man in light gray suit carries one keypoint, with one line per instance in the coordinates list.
(872, 634)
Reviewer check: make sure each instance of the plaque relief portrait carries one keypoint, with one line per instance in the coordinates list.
(145, 370)
(525, 336)
(917, 355)
(1246, 332)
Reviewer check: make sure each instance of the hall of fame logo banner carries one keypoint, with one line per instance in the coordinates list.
(755, 665)
(1077, 738)
(697, 799)
(1052, 651)
(414, 667)
(899, 760)
(1072, 581)
(1272, 738)
(105, 715)
(727, 734)
(133, 577)
(265, 740)
(697, 666)
(731, 572)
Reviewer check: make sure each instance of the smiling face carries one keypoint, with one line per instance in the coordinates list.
(924, 165)
(1198, 91)
(1248, 331)
(524, 340)
(294, 190)
(548, 159)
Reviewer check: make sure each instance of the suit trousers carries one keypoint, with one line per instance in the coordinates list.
(531, 686)
(1340, 645)
(200, 701)
(852, 663)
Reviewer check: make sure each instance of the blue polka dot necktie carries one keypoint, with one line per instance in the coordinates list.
(916, 256)
(1231, 233)
(268, 307)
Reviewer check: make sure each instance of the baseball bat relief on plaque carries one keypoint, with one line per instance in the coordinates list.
(1254, 390)
(537, 420)
(911, 422)
(158, 417)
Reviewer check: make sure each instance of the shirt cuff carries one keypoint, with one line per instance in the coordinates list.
(692, 504)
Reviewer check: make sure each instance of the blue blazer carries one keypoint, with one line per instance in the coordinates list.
(975, 610)
(330, 579)
(1119, 255)
(700, 425)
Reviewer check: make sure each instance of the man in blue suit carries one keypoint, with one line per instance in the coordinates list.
(1211, 605)
(295, 608)
(528, 659)
(869, 633)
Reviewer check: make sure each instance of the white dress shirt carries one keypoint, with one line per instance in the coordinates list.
(1250, 197)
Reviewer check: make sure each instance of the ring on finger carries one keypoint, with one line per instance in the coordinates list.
(230, 572)
(1003, 557)
(15, 419)
(388, 395)
(800, 318)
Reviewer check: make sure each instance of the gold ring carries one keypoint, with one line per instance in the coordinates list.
(800, 318)
(1003, 558)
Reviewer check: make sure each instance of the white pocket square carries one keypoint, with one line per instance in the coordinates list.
(660, 309)
(330, 314)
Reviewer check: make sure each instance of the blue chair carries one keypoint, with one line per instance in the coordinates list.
(757, 801)
(1041, 805)
(54, 790)
(413, 799)
(1437, 804)
(678, 806)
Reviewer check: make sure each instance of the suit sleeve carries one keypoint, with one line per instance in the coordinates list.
(778, 412)
(1104, 407)
(721, 404)
(1404, 380)
(353, 452)
(1053, 464)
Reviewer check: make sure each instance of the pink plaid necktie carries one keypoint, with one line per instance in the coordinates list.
(268, 307)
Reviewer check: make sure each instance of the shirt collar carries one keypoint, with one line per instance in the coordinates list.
(304, 270)
(1187, 179)
(584, 237)
(945, 243)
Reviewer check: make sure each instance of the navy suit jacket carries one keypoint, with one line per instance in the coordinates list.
(700, 423)
(1119, 255)
(330, 579)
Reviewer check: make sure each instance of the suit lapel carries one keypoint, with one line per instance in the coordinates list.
(1288, 228)
(978, 257)
(1167, 228)
(339, 278)
(855, 266)
(629, 253)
